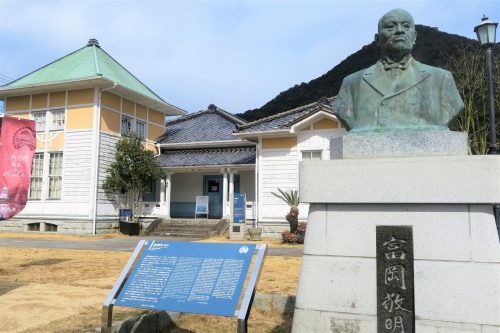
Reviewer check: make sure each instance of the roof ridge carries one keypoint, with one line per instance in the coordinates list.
(36, 70)
(284, 113)
(123, 67)
(217, 110)
(247, 148)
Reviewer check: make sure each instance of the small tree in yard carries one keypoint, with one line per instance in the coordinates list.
(133, 170)
(292, 200)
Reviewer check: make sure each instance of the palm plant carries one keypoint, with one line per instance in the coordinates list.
(292, 200)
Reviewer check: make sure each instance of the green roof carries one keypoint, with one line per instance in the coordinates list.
(88, 62)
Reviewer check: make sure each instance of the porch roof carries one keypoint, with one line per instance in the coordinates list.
(207, 157)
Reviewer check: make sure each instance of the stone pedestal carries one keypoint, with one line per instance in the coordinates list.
(447, 200)
(237, 231)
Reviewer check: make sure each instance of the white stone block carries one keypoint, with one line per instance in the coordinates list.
(440, 232)
(427, 326)
(460, 292)
(484, 235)
(316, 235)
(306, 321)
(337, 284)
(346, 323)
(490, 329)
(438, 179)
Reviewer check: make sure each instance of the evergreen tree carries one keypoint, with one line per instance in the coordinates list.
(133, 170)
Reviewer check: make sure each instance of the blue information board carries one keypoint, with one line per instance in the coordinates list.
(188, 277)
(239, 208)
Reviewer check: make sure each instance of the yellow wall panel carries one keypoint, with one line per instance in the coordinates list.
(81, 96)
(128, 107)
(23, 115)
(57, 141)
(155, 131)
(141, 112)
(151, 146)
(156, 117)
(80, 118)
(273, 143)
(110, 100)
(39, 143)
(325, 123)
(39, 101)
(110, 121)
(17, 103)
(57, 99)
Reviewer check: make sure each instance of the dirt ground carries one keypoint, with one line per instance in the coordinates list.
(55, 290)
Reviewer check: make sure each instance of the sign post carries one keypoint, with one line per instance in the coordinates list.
(188, 277)
(201, 206)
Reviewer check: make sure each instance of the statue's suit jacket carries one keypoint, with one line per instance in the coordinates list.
(421, 97)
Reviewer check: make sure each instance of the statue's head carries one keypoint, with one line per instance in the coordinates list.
(396, 32)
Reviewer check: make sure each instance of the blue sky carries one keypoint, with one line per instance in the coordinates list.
(237, 55)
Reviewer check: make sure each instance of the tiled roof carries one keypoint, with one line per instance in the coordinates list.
(88, 62)
(207, 157)
(285, 120)
(213, 124)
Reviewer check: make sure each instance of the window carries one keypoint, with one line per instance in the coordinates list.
(130, 124)
(311, 155)
(150, 196)
(126, 124)
(55, 175)
(140, 128)
(36, 177)
(34, 227)
(39, 118)
(58, 120)
(49, 227)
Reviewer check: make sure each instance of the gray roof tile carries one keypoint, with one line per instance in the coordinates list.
(285, 120)
(209, 125)
(207, 157)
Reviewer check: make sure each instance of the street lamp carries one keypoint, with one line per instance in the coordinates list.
(486, 34)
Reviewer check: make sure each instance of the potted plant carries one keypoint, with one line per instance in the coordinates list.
(292, 200)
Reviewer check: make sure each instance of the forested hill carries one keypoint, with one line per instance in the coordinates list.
(433, 47)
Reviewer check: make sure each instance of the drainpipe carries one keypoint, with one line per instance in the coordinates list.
(98, 151)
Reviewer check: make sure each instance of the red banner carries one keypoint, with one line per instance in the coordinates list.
(17, 147)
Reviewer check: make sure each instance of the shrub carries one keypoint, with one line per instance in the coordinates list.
(289, 237)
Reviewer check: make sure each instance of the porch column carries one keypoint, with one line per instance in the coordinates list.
(231, 192)
(224, 195)
(168, 192)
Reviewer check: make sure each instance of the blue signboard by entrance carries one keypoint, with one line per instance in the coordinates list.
(239, 208)
(188, 277)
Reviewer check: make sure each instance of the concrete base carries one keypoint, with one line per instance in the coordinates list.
(404, 144)
(456, 246)
(237, 231)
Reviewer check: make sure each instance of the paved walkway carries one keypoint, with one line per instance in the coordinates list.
(113, 244)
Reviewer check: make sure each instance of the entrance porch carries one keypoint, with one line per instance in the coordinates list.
(179, 189)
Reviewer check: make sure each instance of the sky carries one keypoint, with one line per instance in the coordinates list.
(237, 55)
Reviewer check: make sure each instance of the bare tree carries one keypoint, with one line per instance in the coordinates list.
(468, 66)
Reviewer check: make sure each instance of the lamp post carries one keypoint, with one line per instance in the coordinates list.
(486, 34)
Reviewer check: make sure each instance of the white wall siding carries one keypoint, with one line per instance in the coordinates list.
(77, 167)
(107, 204)
(280, 169)
(186, 186)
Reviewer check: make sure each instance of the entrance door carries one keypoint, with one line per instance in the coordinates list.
(212, 186)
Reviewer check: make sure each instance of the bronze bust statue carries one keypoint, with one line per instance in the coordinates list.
(398, 93)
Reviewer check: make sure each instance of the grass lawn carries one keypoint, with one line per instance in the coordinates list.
(56, 290)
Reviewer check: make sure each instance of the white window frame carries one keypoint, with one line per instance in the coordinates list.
(36, 177)
(133, 124)
(56, 122)
(130, 125)
(307, 155)
(38, 127)
(54, 175)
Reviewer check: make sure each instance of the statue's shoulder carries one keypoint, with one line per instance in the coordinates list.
(356, 76)
(431, 69)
